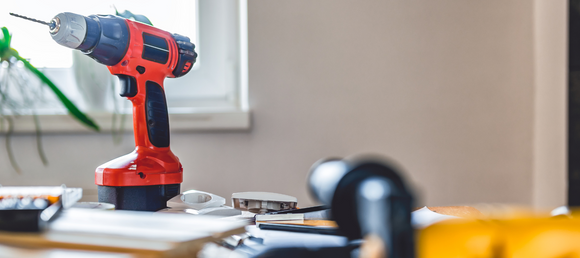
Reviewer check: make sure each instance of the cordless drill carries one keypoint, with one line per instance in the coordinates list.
(141, 56)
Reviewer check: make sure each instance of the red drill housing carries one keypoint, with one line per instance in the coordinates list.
(142, 57)
(148, 164)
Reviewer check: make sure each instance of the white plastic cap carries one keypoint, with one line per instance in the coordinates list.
(196, 199)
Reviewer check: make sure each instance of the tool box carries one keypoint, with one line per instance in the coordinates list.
(29, 209)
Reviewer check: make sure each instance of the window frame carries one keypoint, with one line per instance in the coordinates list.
(229, 113)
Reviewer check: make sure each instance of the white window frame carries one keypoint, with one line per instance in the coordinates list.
(219, 21)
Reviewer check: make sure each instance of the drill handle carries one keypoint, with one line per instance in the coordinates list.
(150, 115)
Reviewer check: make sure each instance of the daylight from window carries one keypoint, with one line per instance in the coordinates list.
(213, 85)
(33, 40)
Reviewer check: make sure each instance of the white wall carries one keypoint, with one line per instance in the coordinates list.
(444, 87)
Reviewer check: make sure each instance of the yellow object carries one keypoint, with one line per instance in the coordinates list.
(547, 237)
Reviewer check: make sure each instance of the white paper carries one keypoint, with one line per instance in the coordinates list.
(275, 238)
(277, 217)
(425, 217)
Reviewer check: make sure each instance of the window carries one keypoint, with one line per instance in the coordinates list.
(212, 96)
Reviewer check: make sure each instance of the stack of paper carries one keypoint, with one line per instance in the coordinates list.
(132, 232)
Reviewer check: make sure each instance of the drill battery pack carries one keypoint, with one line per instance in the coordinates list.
(139, 198)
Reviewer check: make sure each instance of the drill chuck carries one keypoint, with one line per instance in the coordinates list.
(105, 38)
(68, 29)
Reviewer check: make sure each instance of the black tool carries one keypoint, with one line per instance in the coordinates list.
(301, 210)
(301, 229)
(367, 197)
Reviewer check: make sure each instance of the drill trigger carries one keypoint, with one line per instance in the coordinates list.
(128, 85)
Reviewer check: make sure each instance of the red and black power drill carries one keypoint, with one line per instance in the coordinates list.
(142, 57)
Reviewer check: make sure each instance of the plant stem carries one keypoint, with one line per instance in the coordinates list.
(67, 103)
(118, 117)
(114, 132)
(39, 147)
(13, 162)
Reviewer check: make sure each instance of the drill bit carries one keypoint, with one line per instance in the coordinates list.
(50, 24)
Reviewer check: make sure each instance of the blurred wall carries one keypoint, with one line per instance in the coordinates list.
(446, 88)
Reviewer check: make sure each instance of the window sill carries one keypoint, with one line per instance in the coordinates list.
(198, 120)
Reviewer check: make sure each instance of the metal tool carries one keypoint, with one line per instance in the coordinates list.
(50, 24)
(262, 202)
(142, 57)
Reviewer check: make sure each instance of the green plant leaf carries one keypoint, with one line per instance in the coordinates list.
(137, 17)
(4, 43)
(7, 36)
(74, 111)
